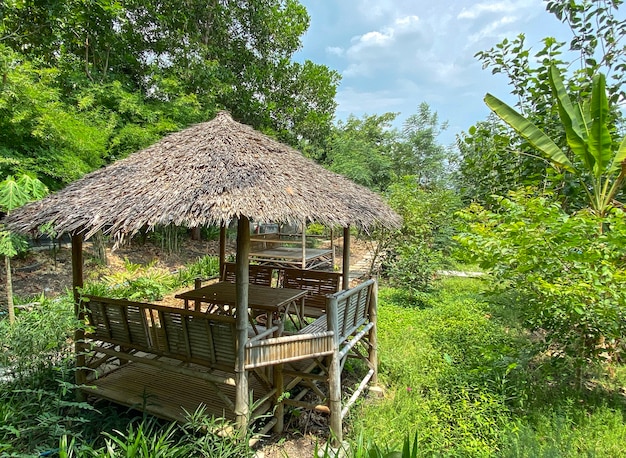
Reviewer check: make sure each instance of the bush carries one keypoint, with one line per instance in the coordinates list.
(415, 252)
(568, 270)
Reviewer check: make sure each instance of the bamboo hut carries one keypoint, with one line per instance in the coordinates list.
(210, 173)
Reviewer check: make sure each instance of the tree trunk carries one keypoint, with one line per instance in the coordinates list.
(100, 248)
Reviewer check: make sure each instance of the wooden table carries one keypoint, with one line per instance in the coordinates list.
(273, 301)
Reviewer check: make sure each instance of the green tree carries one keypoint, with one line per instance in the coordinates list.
(413, 254)
(363, 149)
(489, 165)
(565, 272)
(597, 46)
(420, 154)
(39, 132)
(13, 194)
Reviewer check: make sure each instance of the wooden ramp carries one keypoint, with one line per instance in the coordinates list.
(166, 394)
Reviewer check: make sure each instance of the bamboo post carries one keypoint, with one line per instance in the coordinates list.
(9, 285)
(79, 333)
(222, 248)
(196, 233)
(197, 284)
(332, 246)
(303, 246)
(373, 337)
(346, 258)
(279, 384)
(334, 374)
(242, 408)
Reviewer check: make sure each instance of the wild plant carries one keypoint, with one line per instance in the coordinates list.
(204, 267)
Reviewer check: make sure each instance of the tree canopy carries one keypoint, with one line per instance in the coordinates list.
(83, 83)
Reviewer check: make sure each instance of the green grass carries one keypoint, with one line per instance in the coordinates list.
(462, 374)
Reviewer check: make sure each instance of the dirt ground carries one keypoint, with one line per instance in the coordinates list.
(48, 272)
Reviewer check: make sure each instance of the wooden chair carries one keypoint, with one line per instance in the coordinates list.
(318, 283)
(318, 353)
(258, 275)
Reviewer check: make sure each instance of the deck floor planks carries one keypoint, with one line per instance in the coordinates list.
(164, 394)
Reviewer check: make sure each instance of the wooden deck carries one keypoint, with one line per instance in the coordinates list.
(166, 394)
(169, 361)
(292, 257)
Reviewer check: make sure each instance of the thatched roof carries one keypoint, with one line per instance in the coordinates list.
(209, 173)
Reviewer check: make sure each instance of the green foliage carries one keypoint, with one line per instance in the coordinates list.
(568, 269)
(150, 282)
(414, 253)
(489, 167)
(39, 131)
(83, 84)
(40, 336)
(136, 283)
(372, 153)
(462, 373)
(597, 46)
(361, 149)
(200, 436)
(443, 368)
(36, 397)
(369, 449)
(210, 233)
(600, 169)
(419, 154)
(460, 381)
(204, 267)
(15, 193)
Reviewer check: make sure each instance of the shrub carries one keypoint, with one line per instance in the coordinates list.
(567, 269)
(415, 252)
(204, 267)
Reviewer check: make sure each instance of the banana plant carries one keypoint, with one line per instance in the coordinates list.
(588, 137)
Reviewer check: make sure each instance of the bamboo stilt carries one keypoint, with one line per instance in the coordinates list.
(346, 258)
(334, 374)
(373, 336)
(303, 246)
(242, 408)
(79, 334)
(332, 247)
(222, 248)
(9, 285)
(279, 415)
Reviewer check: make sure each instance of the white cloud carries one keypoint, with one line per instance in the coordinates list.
(395, 54)
(493, 29)
(392, 45)
(335, 50)
(359, 102)
(479, 9)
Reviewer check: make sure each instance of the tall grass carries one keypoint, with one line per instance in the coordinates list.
(466, 378)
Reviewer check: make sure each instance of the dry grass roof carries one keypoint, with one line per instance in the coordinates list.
(209, 173)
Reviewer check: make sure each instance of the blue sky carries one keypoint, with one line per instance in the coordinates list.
(394, 54)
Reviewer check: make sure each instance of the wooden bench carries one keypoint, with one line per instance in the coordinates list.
(199, 347)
